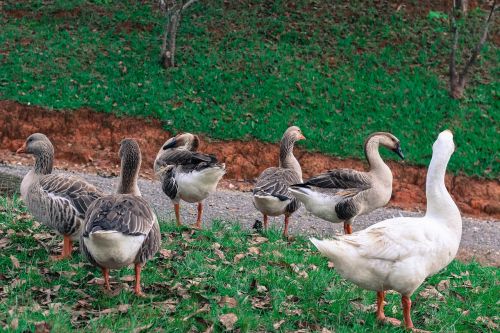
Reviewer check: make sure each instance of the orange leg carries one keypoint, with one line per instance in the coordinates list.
(177, 208)
(137, 287)
(66, 250)
(380, 310)
(285, 229)
(200, 213)
(347, 228)
(406, 302)
(265, 222)
(105, 273)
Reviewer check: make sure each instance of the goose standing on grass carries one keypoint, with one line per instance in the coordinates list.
(121, 229)
(58, 201)
(400, 253)
(341, 195)
(271, 195)
(186, 174)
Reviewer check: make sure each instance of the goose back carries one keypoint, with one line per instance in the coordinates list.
(130, 222)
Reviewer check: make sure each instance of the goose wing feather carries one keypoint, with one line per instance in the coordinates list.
(189, 160)
(341, 179)
(125, 213)
(276, 182)
(78, 192)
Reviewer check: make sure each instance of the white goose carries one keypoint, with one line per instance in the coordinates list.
(186, 174)
(342, 195)
(400, 253)
(121, 229)
(58, 201)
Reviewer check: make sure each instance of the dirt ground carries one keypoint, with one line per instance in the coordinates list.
(87, 141)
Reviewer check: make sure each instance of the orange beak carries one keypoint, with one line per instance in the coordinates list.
(22, 149)
(301, 137)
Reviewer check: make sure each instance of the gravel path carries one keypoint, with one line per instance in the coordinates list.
(480, 238)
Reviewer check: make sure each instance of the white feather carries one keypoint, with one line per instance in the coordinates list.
(269, 205)
(113, 249)
(195, 186)
(319, 204)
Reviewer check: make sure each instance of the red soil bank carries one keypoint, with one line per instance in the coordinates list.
(88, 141)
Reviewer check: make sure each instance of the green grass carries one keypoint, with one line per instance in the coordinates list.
(249, 69)
(281, 280)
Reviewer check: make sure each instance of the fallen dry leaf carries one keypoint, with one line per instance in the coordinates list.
(220, 254)
(238, 257)
(15, 262)
(142, 328)
(4, 242)
(278, 324)
(42, 327)
(166, 253)
(431, 292)
(14, 323)
(362, 307)
(253, 250)
(127, 278)
(228, 301)
(204, 308)
(258, 240)
(261, 302)
(488, 322)
(331, 264)
(443, 285)
(123, 308)
(228, 320)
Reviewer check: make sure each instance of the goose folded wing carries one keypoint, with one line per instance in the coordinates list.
(189, 160)
(341, 178)
(387, 242)
(276, 182)
(77, 192)
(128, 214)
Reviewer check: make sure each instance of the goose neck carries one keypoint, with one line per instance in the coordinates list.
(287, 159)
(373, 157)
(439, 201)
(44, 162)
(129, 174)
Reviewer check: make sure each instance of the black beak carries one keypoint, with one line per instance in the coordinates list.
(399, 152)
(171, 144)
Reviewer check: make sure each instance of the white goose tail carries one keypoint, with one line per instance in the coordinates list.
(327, 247)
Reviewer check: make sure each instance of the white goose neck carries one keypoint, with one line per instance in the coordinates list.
(440, 204)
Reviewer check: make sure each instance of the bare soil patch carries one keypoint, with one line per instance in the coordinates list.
(88, 141)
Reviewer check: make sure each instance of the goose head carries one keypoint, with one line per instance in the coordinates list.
(444, 145)
(186, 141)
(386, 140)
(293, 134)
(37, 144)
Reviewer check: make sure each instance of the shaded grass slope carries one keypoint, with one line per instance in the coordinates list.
(248, 69)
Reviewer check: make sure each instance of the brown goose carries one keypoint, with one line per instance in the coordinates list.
(122, 229)
(58, 201)
(341, 195)
(186, 174)
(271, 195)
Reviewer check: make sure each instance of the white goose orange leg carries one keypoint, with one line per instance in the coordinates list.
(380, 310)
(265, 222)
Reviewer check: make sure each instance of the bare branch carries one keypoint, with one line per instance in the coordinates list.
(189, 3)
(477, 49)
(454, 30)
